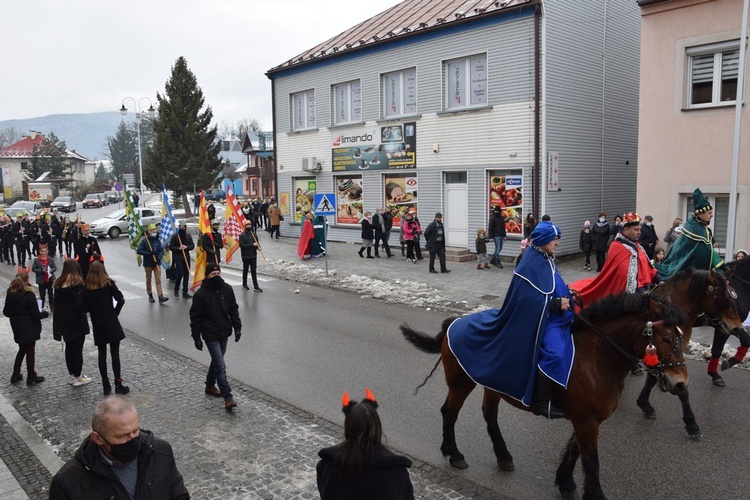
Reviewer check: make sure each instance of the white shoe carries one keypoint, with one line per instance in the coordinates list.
(82, 380)
(72, 380)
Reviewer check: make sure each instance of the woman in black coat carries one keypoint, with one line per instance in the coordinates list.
(69, 322)
(101, 291)
(368, 234)
(26, 322)
(361, 467)
(600, 235)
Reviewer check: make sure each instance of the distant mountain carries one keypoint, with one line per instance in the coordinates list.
(85, 133)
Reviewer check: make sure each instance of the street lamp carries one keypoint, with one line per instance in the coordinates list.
(138, 115)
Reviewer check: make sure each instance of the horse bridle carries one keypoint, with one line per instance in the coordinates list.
(648, 331)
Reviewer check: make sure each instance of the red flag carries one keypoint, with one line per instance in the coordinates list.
(234, 222)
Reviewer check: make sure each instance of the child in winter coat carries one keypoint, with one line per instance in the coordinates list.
(45, 268)
(483, 260)
(586, 243)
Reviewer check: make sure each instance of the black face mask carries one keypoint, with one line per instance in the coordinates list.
(125, 452)
(248, 230)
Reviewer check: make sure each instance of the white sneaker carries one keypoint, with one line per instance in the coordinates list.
(82, 380)
(72, 379)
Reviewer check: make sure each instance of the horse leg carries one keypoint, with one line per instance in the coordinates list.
(587, 435)
(457, 394)
(564, 477)
(489, 410)
(691, 426)
(648, 411)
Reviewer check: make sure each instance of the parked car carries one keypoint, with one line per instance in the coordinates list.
(111, 196)
(94, 200)
(14, 212)
(64, 204)
(215, 194)
(32, 207)
(114, 224)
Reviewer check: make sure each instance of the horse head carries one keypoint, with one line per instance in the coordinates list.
(738, 274)
(703, 293)
(661, 345)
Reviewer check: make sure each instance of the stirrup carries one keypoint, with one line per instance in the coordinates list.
(547, 410)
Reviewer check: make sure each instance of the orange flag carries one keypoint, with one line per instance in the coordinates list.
(204, 228)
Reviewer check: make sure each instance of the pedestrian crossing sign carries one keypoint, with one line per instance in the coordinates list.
(324, 204)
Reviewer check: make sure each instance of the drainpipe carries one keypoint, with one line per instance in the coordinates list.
(275, 162)
(604, 90)
(536, 177)
(732, 222)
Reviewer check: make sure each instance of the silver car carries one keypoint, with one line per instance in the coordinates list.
(114, 224)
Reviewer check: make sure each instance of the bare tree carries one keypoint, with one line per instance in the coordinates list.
(8, 136)
(239, 129)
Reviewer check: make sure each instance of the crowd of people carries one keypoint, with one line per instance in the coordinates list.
(20, 239)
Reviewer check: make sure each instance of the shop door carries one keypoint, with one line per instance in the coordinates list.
(456, 216)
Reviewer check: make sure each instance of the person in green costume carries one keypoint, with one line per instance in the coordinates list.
(696, 248)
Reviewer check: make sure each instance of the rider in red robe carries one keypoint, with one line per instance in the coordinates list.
(627, 268)
(304, 247)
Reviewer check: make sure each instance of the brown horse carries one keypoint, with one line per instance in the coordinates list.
(596, 381)
(700, 294)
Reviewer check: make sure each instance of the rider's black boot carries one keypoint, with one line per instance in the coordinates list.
(542, 404)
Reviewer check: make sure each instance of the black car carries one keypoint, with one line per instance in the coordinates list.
(64, 204)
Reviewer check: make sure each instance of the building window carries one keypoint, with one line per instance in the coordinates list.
(466, 82)
(347, 103)
(303, 110)
(712, 74)
(24, 165)
(721, 217)
(400, 93)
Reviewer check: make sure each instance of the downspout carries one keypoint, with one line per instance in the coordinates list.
(536, 174)
(275, 161)
(604, 85)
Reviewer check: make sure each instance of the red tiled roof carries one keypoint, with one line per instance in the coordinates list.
(406, 18)
(22, 148)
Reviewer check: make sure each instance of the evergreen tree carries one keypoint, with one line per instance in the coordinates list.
(123, 151)
(51, 155)
(185, 150)
(101, 173)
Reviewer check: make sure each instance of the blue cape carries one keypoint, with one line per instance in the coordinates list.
(499, 348)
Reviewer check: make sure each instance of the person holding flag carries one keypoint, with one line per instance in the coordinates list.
(181, 245)
(152, 251)
(212, 242)
(135, 230)
(204, 231)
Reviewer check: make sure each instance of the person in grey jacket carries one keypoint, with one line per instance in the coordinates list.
(249, 250)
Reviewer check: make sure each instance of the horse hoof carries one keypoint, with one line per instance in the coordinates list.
(568, 494)
(459, 463)
(650, 415)
(506, 465)
(696, 435)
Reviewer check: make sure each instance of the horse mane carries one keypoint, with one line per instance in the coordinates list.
(699, 280)
(626, 304)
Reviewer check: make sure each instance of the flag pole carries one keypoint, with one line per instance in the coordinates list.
(259, 249)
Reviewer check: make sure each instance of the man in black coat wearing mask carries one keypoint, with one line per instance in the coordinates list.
(181, 244)
(119, 460)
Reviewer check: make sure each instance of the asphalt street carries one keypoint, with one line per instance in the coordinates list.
(303, 344)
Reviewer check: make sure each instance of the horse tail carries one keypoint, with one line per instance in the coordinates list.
(425, 342)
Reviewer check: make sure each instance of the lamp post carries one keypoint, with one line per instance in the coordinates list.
(138, 115)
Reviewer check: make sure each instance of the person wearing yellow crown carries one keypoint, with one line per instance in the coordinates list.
(627, 268)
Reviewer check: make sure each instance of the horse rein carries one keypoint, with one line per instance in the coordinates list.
(658, 370)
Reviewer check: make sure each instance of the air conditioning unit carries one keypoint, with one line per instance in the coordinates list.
(309, 164)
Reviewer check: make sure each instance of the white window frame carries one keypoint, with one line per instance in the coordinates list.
(302, 106)
(465, 81)
(399, 93)
(720, 202)
(717, 50)
(347, 102)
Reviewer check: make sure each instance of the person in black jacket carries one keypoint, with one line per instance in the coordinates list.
(368, 234)
(86, 249)
(101, 296)
(600, 233)
(69, 322)
(380, 228)
(211, 211)
(361, 467)
(181, 244)
(212, 245)
(496, 231)
(434, 237)
(648, 236)
(19, 232)
(26, 323)
(213, 315)
(119, 460)
(586, 243)
(249, 251)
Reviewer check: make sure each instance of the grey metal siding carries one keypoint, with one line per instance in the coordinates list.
(591, 109)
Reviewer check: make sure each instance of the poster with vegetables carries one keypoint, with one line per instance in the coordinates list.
(400, 194)
(506, 192)
(304, 192)
(349, 199)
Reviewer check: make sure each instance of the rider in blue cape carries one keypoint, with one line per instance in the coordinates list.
(523, 348)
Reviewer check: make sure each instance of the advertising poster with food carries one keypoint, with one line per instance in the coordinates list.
(400, 194)
(349, 199)
(304, 192)
(506, 192)
(391, 147)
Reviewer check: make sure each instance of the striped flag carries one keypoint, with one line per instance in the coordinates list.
(204, 228)
(234, 222)
(167, 229)
(135, 230)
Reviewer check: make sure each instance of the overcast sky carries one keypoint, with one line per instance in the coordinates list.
(85, 56)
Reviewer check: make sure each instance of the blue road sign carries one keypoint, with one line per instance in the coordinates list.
(324, 204)
(118, 186)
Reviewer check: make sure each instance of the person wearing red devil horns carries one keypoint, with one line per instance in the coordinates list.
(361, 467)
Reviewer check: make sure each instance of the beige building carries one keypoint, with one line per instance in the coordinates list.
(688, 86)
